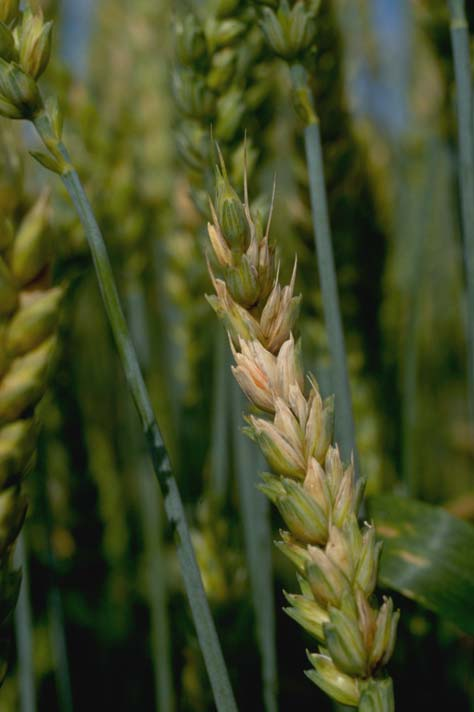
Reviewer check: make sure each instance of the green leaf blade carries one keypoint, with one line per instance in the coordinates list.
(428, 556)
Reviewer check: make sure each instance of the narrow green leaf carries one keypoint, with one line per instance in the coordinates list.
(427, 556)
(258, 546)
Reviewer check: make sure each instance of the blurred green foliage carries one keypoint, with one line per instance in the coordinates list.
(394, 211)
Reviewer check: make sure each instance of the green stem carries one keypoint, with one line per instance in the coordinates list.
(377, 696)
(410, 371)
(205, 628)
(327, 276)
(345, 430)
(465, 106)
(255, 510)
(153, 525)
(417, 199)
(24, 633)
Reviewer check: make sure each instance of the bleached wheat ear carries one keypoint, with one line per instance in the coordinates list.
(316, 494)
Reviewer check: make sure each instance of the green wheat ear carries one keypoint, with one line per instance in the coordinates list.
(29, 312)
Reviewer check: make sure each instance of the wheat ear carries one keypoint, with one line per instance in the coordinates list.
(316, 494)
(29, 311)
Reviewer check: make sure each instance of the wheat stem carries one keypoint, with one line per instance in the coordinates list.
(345, 428)
(256, 521)
(327, 274)
(152, 524)
(465, 106)
(155, 557)
(419, 198)
(205, 628)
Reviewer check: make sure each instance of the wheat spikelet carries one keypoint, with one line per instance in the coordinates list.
(315, 492)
